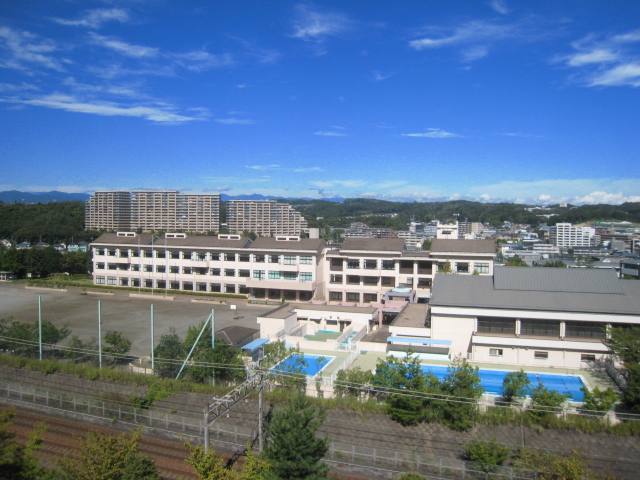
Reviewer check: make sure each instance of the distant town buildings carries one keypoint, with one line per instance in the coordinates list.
(264, 217)
(566, 235)
(152, 210)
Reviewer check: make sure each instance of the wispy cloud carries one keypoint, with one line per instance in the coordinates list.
(201, 60)
(343, 183)
(154, 113)
(432, 133)
(308, 169)
(606, 61)
(499, 6)
(380, 76)
(22, 50)
(264, 167)
(330, 134)
(519, 134)
(126, 49)
(312, 25)
(96, 18)
(234, 121)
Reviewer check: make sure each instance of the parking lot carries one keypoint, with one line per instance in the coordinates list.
(123, 313)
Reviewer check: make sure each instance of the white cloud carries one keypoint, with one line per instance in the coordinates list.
(520, 134)
(263, 167)
(160, 114)
(343, 183)
(499, 6)
(311, 25)
(126, 49)
(331, 134)
(201, 60)
(25, 50)
(96, 18)
(432, 133)
(308, 169)
(474, 53)
(478, 31)
(628, 74)
(380, 76)
(597, 55)
(234, 121)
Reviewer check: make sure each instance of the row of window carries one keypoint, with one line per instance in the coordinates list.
(353, 297)
(203, 256)
(216, 272)
(543, 328)
(542, 355)
(386, 281)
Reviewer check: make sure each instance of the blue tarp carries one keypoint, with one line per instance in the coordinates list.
(424, 341)
(255, 344)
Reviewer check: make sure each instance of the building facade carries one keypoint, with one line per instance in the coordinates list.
(153, 210)
(264, 217)
(566, 235)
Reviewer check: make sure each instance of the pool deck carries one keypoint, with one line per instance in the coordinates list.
(593, 378)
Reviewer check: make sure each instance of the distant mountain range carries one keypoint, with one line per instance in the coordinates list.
(14, 196)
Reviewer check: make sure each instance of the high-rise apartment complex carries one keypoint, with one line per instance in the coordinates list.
(151, 210)
(566, 235)
(264, 217)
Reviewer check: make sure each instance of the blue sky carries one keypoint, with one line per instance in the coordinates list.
(494, 100)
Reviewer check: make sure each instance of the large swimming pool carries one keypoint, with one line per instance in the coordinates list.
(491, 381)
(309, 365)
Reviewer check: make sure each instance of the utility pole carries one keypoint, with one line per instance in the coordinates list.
(40, 325)
(99, 334)
(260, 416)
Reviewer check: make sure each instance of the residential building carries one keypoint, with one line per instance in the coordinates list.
(630, 267)
(566, 235)
(153, 210)
(547, 317)
(264, 217)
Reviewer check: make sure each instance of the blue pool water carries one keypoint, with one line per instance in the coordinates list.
(491, 381)
(311, 364)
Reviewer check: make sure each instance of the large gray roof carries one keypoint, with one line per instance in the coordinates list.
(444, 245)
(536, 288)
(374, 244)
(195, 241)
(269, 243)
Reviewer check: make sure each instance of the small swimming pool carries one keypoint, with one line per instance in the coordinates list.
(491, 381)
(309, 365)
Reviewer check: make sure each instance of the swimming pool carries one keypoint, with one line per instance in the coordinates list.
(491, 381)
(309, 365)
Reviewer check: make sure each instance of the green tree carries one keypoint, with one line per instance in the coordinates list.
(169, 354)
(14, 261)
(403, 383)
(488, 454)
(351, 382)
(515, 385)
(108, 457)
(544, 402)
(293, 448)
(17, 461)
(554, 264)
(553, 466)
(210, 466)
(624, 344)
(445, 268)
(117, 346)
(598, 400)
(516, 262)
(25, 336)
(462, 385)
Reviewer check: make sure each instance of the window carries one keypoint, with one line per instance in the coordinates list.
(274, 258)
(99, 251)
(202, 256)
(229, 272)
(274, 274)
(148, 283)
(481, 267)
(370, 297)
(124, 282)
(200, 271)
(289, 259)
(259, 274)
(335, 296)
(424, 282)
(290, 275)
(174, 285)
(588, 357)
(353, 263)
(306, 277)
(174, 269)
(462, 267)
(306, 260)
(541, 355)
(112, 266)
(100, 266)
(371, 264)
(387, 280)
(584, 329)
(174, 255)
(135, 253)
(111, 252)
(244, 257)
(388, 264)
(187, 285)
(230, 257)
(201, 287)
(336, 278)
(215, 256)
(546, 328)
(243, 289)
(353, 279)
(147, 253)
(258, 258)
(336, 262)
(124, 253)
(496, 325)
(135, 267)
(244, 273)
(370, 280)
(353, 297)
(215, 272)
(161, 284)
(148, 268)
(496, 352)
(229, 288)
(100, 280)
(135, 282)
(187, 270)
(214, 287)
(186, 255)
(161, 254)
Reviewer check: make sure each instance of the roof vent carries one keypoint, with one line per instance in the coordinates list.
(126, 234)
(175, 235)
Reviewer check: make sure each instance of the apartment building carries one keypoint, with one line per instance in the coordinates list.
(566, 235)
(264, 217)
(153, 210)
(360, 272)
(547, 317)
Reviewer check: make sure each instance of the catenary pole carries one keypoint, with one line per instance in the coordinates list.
(99, 334)
(153, 371)
(40, 325)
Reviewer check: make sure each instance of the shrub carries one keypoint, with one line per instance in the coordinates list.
(488, 454)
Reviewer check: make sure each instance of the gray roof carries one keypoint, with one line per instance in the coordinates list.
(542, 289)
(412, 315)
(443, 245)
(269, 243)
(375, 244)
(195, 241)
